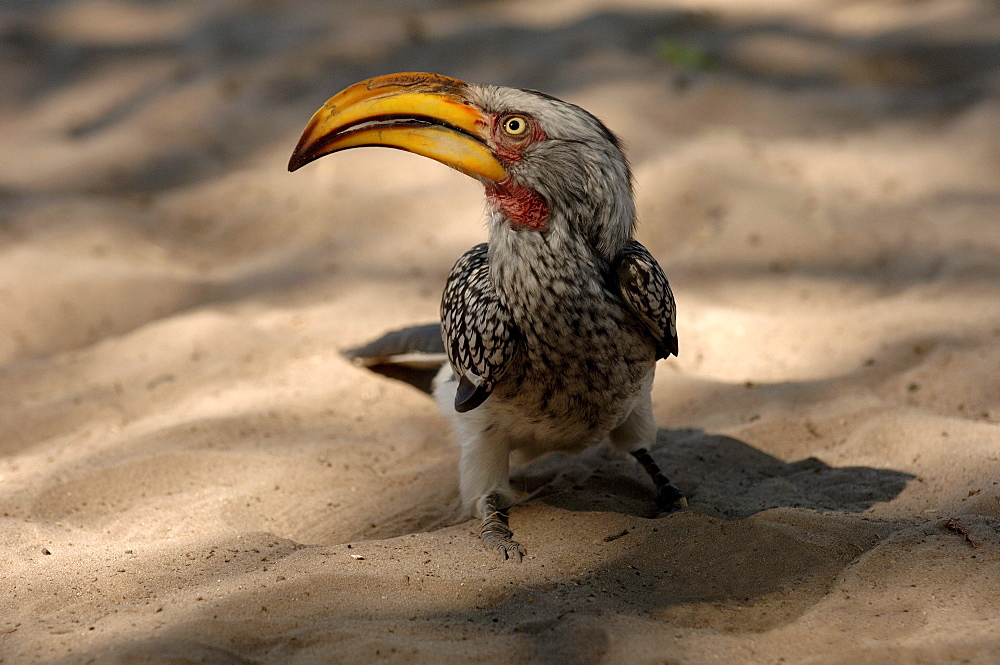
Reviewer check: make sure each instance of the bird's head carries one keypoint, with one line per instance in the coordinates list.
(547, 165)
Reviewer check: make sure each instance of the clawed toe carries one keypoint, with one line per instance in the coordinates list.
(508, 548)
(497, 535)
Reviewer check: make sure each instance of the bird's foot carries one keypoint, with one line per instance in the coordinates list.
(496, 534)
(670, 499)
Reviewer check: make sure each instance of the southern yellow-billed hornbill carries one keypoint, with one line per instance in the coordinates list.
(554, 326)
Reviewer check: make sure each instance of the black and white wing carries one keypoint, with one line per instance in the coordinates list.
(645, 290)
(479, 334)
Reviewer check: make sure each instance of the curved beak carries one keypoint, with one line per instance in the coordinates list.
(426, 114)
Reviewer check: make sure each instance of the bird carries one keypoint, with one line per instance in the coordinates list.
(550, 331)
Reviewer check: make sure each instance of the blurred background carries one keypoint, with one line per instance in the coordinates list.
(163, 127)
(182, 445)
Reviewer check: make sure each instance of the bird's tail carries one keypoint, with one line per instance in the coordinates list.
(414, 355)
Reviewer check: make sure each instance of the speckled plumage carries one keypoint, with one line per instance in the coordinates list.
(561, 346)
(553, 328)
(569, 320)
(480, 337)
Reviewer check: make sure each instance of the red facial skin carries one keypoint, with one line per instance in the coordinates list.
(523, 206)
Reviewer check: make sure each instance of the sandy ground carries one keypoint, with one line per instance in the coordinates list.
(191, 473)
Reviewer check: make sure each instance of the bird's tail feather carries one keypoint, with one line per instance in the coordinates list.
(413, 355)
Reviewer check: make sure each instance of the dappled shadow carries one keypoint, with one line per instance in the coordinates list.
(255, 106)
(288, 471)
(761, 524)
(218, 42)
(685, 570)
(875, 77)
(721, 476)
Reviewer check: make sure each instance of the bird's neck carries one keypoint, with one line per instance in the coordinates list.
(531, 268)
(522, 223)
(592, 216)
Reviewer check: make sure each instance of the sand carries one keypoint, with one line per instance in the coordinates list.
(191, 473)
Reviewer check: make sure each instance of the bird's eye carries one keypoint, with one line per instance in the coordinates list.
(515, 125)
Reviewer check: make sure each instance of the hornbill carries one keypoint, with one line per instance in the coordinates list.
(552, 329)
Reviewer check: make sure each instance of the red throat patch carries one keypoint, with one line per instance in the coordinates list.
(523, 206)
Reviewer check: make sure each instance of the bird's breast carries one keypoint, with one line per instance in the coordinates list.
(583, 363)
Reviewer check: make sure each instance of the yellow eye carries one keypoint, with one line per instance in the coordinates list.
(515, 125)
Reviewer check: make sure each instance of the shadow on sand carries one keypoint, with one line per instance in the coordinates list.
(722, 476)
(763, 542)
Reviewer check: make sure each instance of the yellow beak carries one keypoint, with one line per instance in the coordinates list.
(426, 114)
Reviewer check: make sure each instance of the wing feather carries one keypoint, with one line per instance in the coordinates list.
(645, 290)
(479, 334)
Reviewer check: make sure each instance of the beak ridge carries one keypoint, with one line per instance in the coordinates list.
(425, 114)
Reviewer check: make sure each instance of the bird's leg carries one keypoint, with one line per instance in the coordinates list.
(484, 480)
(637, 435)
(668, 497)
(495, 532)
